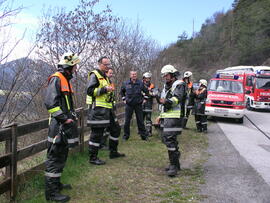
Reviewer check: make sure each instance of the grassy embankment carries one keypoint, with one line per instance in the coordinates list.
(139, 177)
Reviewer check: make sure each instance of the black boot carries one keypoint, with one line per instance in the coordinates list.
(52, 190)
(93, 151)
(172, 171)
(116, 154)
(97, 161)
(184, 124)
(57, 197)
(64, 186)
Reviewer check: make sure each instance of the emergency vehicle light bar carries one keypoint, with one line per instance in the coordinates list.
(227, 76)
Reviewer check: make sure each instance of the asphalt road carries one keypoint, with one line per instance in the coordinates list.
(238, 169)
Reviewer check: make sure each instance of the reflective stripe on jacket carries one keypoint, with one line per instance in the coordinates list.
(175, 110)
(102, 100)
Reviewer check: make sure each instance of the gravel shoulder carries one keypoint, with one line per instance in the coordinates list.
(228, 176)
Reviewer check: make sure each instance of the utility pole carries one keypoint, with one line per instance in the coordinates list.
(193, 29)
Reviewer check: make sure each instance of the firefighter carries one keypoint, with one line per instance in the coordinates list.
(63, 131)
(189, 101)
(131, 92)
(171, 97)
(106, 134)
(148, 102)
(199, 106)
(102, 115)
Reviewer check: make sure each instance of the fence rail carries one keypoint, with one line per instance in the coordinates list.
(12, 155)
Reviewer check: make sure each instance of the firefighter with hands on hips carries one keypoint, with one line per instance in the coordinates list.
(131, 92)
(148, 102)
(189, 101)
(199, 106)
(170, 99)
(63, 131)
(102, 114)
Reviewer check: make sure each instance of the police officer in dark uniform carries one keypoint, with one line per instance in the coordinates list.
(131, 92)
(63, 132)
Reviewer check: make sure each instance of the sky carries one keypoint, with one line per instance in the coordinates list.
(162, 20)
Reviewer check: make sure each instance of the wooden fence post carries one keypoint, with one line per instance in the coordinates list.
(13, 189)
(82, 130)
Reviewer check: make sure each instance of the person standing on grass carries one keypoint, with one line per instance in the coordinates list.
(199, 106)
(63, 132)
(102, 115)
(148, 102)
(170, 100)
(188, 104)
(131, 92)
(106, 134)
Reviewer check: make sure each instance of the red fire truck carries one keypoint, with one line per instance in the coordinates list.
(256, 85)
(226, 97)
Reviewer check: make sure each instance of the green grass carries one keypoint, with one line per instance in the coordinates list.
(138, 177)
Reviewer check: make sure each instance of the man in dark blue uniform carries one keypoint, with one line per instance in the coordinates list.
(131, 92)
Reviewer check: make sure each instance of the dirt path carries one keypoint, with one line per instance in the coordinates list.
(229, 177)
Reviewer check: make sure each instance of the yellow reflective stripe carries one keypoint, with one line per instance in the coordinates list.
(104, 104)
(68, 106)
(174, 100)
(54, 109)
(89, 100)
(96, 92)
(50, 118)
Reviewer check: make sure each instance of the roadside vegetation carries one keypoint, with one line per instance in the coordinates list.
(138, 177)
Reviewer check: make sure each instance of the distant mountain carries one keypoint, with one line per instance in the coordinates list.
(21, 72)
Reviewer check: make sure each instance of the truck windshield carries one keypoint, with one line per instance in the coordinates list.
(226, 86)
(263, 83)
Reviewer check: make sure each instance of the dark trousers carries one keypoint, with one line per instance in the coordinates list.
(56, 159)
(139, 117)
(148, 122)
(201, 122)
(97, 134)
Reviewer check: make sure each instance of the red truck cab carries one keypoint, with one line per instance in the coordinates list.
(226, 96)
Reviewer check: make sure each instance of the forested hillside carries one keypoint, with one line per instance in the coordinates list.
(240, 36)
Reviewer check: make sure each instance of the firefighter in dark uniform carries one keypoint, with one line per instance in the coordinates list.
(102, 115)
(189, 101)
(199, 106)
(63, 131)
(171, 97)
(131, 92)
(148, 102)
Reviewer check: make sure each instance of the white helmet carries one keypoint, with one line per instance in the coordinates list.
(187, 74)
(147, 75)
(203, 82)
(69, 59)
(168, 69)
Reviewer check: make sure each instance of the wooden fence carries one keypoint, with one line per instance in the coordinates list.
(12, 155)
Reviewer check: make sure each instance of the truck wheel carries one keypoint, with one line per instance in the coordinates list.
(240, 120)
(248, 106)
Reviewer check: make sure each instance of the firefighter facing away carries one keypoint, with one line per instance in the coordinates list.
(63, 132)
(148, 102)
(102, 115)
(199, 106)
(170, 99)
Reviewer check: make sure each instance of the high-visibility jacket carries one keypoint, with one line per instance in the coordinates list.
(104, 99)
(173, 110)
(58, 100)
(99, 115)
